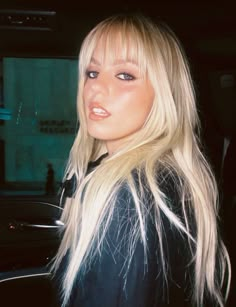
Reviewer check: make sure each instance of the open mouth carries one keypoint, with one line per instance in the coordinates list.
(97, 112)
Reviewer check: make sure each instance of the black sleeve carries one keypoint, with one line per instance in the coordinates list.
(105, 282)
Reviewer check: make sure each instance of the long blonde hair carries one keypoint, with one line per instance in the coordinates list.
(167, 140)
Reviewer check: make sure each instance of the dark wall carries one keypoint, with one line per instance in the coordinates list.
(204, 28)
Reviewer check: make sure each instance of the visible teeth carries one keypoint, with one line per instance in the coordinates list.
(99, 111)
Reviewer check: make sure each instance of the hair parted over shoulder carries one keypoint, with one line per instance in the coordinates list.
(168, 140)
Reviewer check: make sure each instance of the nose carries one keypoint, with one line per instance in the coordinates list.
(100, 84)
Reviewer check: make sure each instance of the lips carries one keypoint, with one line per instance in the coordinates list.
(96, 111)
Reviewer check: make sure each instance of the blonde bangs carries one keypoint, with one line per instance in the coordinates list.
(121, 42)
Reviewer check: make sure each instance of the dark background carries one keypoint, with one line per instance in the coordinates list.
(206, 28)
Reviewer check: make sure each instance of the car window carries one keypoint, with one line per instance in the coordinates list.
(38, 123)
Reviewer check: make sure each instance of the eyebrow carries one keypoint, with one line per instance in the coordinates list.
(116, 62)
(93, 60)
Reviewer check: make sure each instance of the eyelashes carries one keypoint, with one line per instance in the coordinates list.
(91, 74)
(124, 76)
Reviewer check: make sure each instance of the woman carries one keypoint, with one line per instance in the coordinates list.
(141, 201)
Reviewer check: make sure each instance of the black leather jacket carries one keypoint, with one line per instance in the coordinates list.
(105, 283)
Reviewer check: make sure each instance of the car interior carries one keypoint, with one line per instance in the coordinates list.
(39, 45)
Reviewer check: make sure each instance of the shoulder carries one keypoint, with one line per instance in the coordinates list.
(166, 183)
(169, 219)
(124, 233)
(171, 209)
(170, 183)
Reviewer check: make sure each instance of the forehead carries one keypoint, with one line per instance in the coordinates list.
(113, 54)
(116, 47)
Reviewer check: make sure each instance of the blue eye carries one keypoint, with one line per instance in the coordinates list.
(91, 74)
(125, 76)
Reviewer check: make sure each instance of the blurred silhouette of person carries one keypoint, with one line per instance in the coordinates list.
(221, 147)
(49, 187)
(229, 205)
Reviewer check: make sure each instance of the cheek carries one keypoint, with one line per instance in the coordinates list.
(143, 103)
(132, 108)
(86, 98)
(85, 93)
